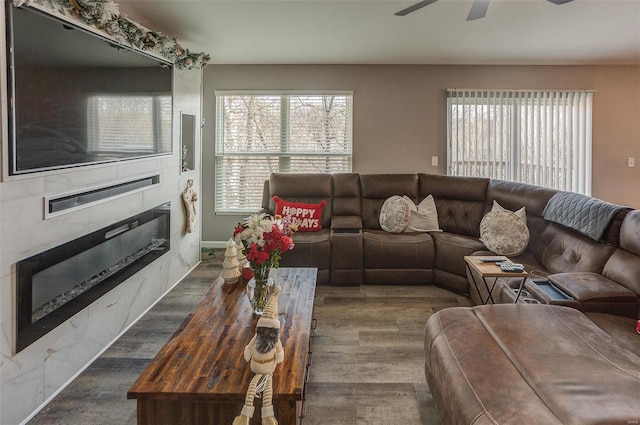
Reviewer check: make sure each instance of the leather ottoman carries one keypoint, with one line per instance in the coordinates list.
(529, 364)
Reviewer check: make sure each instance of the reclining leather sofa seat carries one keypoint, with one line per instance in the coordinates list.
(393, 257)
(461, 204)
(311, 248)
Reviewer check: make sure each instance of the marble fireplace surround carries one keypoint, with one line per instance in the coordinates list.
(54, 285)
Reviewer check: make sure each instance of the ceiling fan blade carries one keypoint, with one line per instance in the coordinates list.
(415, 7)
(478, 9)
(559, 1)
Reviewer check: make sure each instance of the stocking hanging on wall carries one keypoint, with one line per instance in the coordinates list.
(189, 198)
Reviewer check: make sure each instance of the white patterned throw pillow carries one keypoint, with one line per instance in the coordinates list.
(504, 233)
(522, 213)
(394, 214)
(424, 217)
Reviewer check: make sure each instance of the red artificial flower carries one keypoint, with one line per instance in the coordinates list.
(286, 243)
(239, 229)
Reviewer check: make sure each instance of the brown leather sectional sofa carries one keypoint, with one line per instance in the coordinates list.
(502, 363)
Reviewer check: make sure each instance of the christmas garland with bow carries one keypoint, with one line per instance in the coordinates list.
(104, 15)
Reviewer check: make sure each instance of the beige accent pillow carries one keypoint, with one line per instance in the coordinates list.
(504, 233)
(522, 213)
(394, 214)
(424, 217)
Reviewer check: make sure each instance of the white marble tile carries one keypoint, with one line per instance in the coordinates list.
(138, 167)
(22, 188)
(80, 178)
(26, 233)
(22, 392)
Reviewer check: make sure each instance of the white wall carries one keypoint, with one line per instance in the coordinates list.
(399, 117)
(31, 377)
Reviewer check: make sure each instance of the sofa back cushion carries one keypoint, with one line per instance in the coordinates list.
(310, 188)
(460, 201)
(624, 265)
(560, 250)
(346, 194)
(514, 195)
(376, 188)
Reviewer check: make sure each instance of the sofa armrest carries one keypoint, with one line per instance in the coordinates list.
(346, 223)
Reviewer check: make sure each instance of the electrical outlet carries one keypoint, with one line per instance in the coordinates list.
(434, 161)
(631, 162)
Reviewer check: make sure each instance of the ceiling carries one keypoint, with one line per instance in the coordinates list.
(367, 31)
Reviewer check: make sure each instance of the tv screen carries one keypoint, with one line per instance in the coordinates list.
(76, 98)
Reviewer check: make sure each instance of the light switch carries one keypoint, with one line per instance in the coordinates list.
(434, 161)
(631, 162)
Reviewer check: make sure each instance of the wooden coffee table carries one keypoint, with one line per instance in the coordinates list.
(490, 270)
(200, 376)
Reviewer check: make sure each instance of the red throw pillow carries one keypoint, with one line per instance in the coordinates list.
(308, 217)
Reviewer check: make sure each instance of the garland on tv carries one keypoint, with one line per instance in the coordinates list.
(105, 16)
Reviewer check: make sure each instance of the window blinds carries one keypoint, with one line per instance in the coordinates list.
(537, 137)
(259, 134)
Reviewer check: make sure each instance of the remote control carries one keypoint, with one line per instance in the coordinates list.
(511, 267)
(492, 259)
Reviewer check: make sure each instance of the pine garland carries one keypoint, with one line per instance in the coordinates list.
(105, 16)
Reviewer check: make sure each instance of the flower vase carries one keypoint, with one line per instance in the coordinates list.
(259, 289)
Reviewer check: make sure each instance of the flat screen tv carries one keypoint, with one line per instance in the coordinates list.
(76, 98)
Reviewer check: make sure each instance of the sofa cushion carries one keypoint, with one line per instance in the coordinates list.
(460, 201)
(622, 329)
(630, 233)
(515, 195)
(504, 232)
(376, 188)
(450, 250)
(559, 249)
(346, 194)
(307, 217)
(383, 250)
(312, 249)
(529, 364)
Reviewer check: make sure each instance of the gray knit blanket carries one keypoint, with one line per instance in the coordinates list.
(585, 214)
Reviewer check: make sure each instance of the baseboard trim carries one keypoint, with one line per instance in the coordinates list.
(214, 244)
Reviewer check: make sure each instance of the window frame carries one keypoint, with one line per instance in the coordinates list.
(549, 107)
(285, 154)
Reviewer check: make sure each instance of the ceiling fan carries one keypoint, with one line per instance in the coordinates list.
(478, 9)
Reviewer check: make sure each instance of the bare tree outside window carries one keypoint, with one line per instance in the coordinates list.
(536, 137)
(258, 134)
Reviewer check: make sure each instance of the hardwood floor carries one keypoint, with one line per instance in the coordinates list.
(367, 367)
(368, 355)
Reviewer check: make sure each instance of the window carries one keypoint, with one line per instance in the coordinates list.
(261, 133)
(133, 123)
(536, 137)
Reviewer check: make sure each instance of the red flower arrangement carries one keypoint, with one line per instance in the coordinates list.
(264, 239)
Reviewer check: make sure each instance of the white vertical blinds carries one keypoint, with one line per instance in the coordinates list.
(261, 133)
(537, 137)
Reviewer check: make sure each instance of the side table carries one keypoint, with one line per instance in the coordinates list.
(490, 270)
